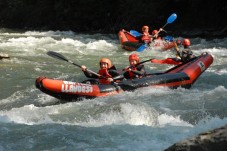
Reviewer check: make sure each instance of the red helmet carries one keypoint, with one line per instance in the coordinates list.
(106, 60)
(134, 57)
(186, 42)
(154, 32)
(145, 27)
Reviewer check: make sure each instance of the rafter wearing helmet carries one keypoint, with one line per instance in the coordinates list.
(155, 34)
(134, 70)
(107, 71)
(186, 54)
(146, 37)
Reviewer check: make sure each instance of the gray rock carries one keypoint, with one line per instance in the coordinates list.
(4, 56)
(214, 140)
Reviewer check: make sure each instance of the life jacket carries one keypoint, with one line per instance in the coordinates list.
(146, 37)
(104, 73)
(186, 55)
(131, 74)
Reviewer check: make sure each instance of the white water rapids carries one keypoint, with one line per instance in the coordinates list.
(148, 119)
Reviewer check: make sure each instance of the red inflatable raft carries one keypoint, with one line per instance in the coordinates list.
(183, 75)
(131, 43)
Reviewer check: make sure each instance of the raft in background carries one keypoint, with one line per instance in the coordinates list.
(183, 75)
(131, 43)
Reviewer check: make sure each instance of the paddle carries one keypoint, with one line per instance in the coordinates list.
(135, 33)
(164, 61)
(177, 49)
(171, 61)
(143, 62)
(61, 57)
(141, 48)
(138, 64)
(168, 38)
(123, 85)
(169, 20)
(128, 84)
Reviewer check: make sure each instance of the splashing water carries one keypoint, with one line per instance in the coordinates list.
(146, 119)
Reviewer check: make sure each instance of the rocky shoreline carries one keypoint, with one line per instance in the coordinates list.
(213, 140)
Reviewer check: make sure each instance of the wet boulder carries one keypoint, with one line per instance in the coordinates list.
(213, 140)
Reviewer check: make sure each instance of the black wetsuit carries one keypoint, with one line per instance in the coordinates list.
(186, 55)
(139, 72)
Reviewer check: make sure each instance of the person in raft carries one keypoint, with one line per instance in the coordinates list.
(186, 54)
(134, 70)
(155, 34)
(107, 71)
(146, 37)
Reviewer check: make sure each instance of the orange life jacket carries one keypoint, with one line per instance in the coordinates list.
(146, 37)
(104, 73)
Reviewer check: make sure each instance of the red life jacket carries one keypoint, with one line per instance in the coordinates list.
(104, 73)
(146, 37)
(131, 74)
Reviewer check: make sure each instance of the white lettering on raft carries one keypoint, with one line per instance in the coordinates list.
(201, 65)
(74, 87)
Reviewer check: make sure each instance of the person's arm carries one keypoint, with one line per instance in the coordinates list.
(119, 77)
(88, 74)
(113, 73)
(177, 50)
(137, 72)
(140, 70)
(126, 75)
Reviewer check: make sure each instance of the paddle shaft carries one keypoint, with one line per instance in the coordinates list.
(140, 63)
(177, 49)
(61, 57)
(87, 69)
(159, 31)
(170, 19)
(143, 62)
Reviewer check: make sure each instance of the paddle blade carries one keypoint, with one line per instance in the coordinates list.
(141, 48)
(61, 57)
(168, 38)
(57, 55)
(135, 33)
(172, 18)
(171, 61)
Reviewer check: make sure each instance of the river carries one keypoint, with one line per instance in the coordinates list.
(148, 119)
